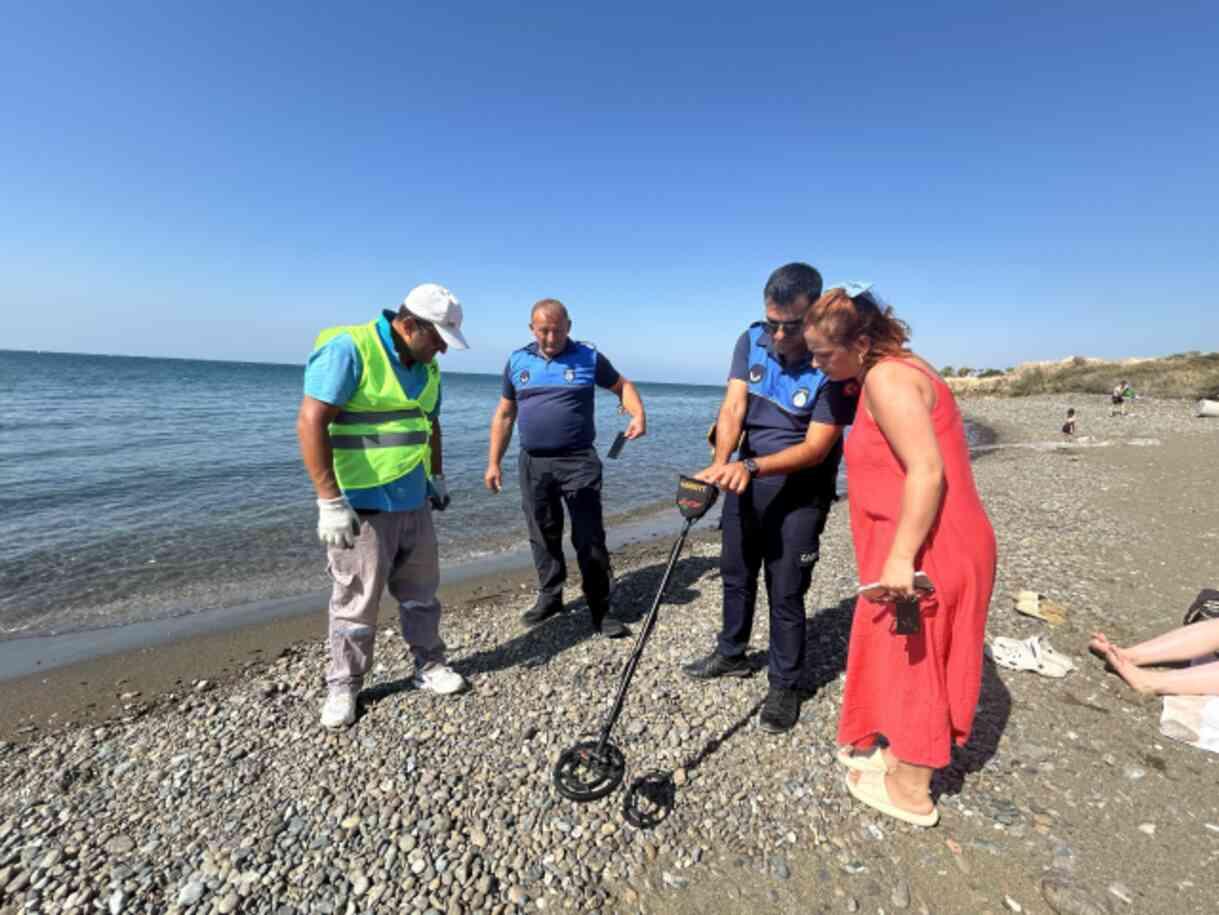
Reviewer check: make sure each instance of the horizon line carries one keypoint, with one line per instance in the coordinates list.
(50, 352)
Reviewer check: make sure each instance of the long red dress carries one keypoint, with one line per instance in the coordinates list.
(919, 691)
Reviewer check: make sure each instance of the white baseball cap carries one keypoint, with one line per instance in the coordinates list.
(439, 307)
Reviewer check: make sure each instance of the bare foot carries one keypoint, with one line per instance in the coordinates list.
(1136, 678)
(1099, 645)
(1102, 648)
(915, 802)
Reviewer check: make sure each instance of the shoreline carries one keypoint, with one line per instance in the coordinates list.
(59, 681)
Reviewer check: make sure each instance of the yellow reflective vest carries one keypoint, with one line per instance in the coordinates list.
(380, 435)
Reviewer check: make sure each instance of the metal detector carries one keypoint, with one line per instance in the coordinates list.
(593, 768)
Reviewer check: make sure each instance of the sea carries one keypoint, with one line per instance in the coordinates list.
(136, 489)
(140, 489)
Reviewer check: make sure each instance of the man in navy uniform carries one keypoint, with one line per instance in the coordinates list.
(778, 491)
(551, 383)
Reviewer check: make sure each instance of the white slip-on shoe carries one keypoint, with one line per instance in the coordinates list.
(439, 678)
(339, 710)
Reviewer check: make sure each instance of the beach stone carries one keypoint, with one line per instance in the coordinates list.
(120, 845)
(115, 902)
(672, 880)
(1122, 892)
(229, 903)
(901, 895)
(190, 893)
(1067, 898)
(17, 884)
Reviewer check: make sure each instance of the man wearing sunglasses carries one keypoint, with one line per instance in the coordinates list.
(785, 420)
(369, 430)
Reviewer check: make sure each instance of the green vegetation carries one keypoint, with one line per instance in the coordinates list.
(1186, 375)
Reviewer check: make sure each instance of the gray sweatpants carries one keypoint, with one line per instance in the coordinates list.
(395, 550)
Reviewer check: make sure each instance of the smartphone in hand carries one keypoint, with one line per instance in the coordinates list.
(616, 447)
(874, 591)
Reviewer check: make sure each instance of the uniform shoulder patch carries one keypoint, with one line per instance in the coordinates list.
(800, 398)
(756, 373)
(523, 376)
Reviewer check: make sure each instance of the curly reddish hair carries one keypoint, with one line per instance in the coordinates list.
(843, 320)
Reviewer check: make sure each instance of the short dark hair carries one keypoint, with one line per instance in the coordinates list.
(791, 281)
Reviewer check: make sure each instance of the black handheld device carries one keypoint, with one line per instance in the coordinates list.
(616, 447)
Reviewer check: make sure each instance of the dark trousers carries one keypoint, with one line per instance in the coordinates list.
(547, 484)
(772, 526)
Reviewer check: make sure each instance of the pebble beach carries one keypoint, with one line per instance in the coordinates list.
(221, 792)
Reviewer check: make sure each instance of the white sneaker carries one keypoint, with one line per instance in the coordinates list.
(339, 710)
(439, 678)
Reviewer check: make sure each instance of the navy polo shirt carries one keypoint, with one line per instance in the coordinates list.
(554, 397)
(784, 397)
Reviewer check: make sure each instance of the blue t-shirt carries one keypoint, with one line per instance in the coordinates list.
(784, 397)
(332, 376)
(554, 397)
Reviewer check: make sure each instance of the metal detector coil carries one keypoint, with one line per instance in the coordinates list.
(593, 768)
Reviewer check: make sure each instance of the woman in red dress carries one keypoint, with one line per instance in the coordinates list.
(914, 507)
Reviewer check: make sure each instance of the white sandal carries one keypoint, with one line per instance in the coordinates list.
(1027, 655)
(1043, 648)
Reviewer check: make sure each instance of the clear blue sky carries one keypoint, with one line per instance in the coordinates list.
(222, 180)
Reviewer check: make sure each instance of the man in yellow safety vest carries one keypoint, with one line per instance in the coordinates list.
(369, 432)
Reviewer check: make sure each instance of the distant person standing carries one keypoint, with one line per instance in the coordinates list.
(778, 491)
(551, 385)
(1068, 428)
(369, 430)
(1118, 399)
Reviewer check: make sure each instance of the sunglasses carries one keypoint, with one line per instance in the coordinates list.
(788, 327)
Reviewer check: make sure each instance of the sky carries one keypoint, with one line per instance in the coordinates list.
(223, 180)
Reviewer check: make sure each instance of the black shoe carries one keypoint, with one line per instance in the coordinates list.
(610, 628)
(780, 711)
(716, 665)
(543, 609)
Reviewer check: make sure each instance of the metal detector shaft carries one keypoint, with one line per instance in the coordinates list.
(648, 625)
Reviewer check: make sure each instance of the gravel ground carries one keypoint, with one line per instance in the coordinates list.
(229, 797)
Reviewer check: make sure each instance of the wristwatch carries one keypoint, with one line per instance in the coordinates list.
(752, 466)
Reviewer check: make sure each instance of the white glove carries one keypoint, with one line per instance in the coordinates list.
(337, 523)
(438, 492)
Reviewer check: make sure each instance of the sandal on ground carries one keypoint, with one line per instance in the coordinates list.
(1017, 655)
(1038, 606)
(1050, 653)
(863, 762)
(870, 789)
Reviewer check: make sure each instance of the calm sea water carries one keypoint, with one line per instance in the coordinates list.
(138, 489)
(134, 489)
